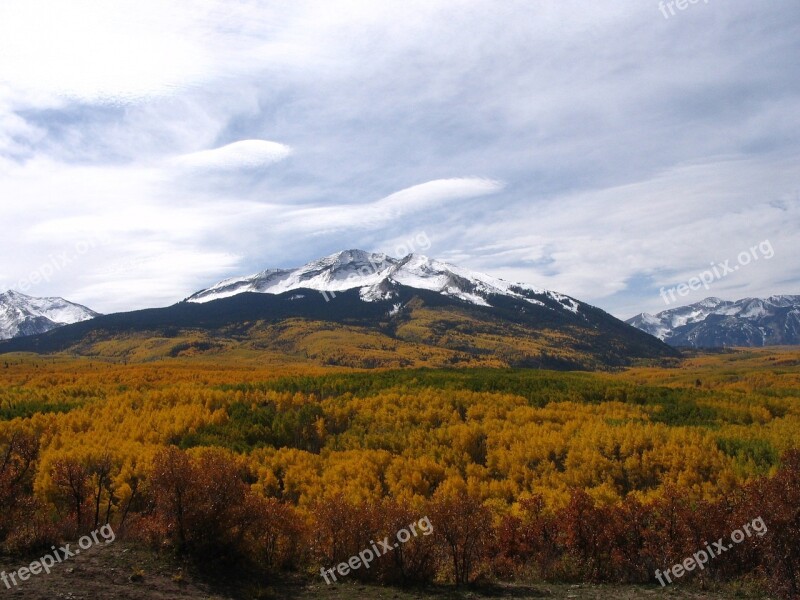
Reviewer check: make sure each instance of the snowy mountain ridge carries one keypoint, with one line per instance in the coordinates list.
(375, 275)
(714, 322)
(22, 315)
(358, 309)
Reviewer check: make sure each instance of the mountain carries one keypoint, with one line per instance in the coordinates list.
(22, 315)
(377, 275)
(365, 310)
(713, 322)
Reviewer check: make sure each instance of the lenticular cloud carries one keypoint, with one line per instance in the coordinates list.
(245, 154)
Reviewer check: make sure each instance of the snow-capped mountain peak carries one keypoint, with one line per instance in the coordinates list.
(334, 273)
(21, 314)
(376, 274)
(716, 322)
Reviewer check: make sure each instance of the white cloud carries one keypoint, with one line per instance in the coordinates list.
(438, 191)
(97, 50)
(632, 150)
(244, 154)
(326, 219)
(159, 243)
(591, 245)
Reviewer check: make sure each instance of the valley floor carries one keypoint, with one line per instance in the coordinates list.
(123, 571)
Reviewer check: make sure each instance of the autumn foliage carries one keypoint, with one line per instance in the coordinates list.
(523, 474)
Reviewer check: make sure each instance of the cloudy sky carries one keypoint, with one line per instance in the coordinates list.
(602, 149)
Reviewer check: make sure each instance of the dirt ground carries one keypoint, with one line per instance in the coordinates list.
(122, 571)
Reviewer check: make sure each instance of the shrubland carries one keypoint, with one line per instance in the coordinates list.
(523, 473)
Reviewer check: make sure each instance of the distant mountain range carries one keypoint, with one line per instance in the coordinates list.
(22, 315)
(717, 323)
(360, 309)
(414, 301)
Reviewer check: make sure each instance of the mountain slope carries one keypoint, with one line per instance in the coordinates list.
(396, 312)
(715, 323)
(374, 275)
(22, 315)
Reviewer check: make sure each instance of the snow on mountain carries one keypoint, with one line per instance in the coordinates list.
(650, 324)
(715, 322)
(375, 275)
(21, 314)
